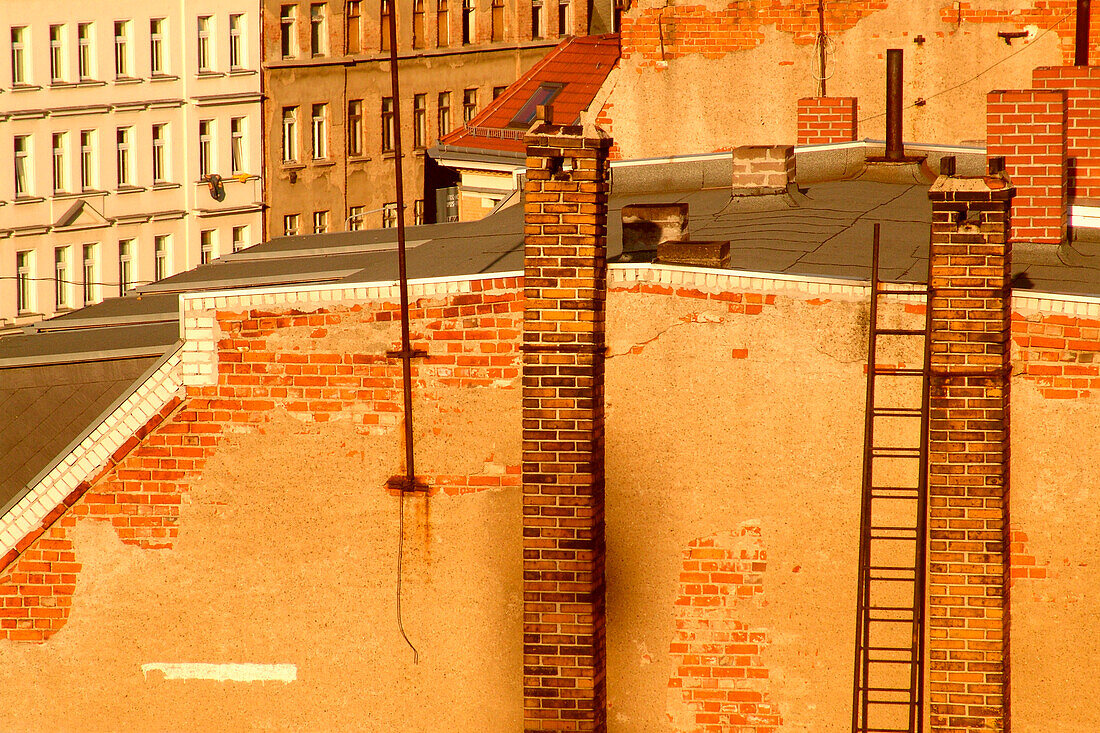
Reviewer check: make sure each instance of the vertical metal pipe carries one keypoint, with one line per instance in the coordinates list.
(894, 148)
(1081, 47)
(821, 39)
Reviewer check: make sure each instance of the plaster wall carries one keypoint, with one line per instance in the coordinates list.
(734, 419)
(717, 75)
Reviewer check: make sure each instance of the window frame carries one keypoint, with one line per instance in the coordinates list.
(20, 52)
(85, 51)
(125, 265)
(58, 63)
(59, 161)
(162, 251)
(420, 121)
(319, 131)
(288, 31)
(160, 158)
(88, 267)
(238, 48)
(206, 147)
(122, 45)
(355, 128)
(290, 134)
(238, 145)
(124, 159)
(157, 40)
(24, 281)
(388, 129)
(23, 165)
(204, 45)
(318, 30)
(62, 287)
(89, 168)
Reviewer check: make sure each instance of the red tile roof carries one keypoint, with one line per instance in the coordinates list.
(579, 64)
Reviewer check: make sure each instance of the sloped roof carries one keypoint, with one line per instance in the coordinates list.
(571, 74)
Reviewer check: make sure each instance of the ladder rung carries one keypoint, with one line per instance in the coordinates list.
(889, 702)
(899, 371)
(889, 661)
(900, 331)
(897, 411)
(886, 689)
(906, 568)
(889, 649)
(892, 580)
(890, 608)
(888, 291)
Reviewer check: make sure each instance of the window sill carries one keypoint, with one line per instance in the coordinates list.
(27, 200)
(62, 84)
(323, 162)
(92, 192)
(164, 186)
(242, 72)
(129, 189)
(164, 77)
(127, 80)
(26, 88)
(209, 75)
(293, 166)
(389, 155)
(359, 159)
(90, 83)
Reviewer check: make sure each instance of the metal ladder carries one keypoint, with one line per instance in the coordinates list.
(889, 660)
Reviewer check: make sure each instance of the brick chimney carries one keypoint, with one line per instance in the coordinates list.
(565, 286)
(968, 454)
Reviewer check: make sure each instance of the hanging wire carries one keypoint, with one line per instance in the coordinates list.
(830, 56)
(923, 100)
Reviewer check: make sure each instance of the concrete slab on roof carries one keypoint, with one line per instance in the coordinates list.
(45, 408)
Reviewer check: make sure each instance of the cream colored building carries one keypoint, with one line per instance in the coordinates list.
(130, 145)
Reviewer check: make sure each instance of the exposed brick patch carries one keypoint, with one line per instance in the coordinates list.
(1044, 14)
(655, 34)
(1082, 87)
(605, 120)
(720, 682)
(827, 120)
(968, 632)
(1024, 566)
(472, 341)
(1059, 354)
(751, 304)
(1028, 128)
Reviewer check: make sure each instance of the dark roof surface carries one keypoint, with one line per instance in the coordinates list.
(45, 408)
(578, 65)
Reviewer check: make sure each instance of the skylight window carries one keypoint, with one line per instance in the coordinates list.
(545, 94)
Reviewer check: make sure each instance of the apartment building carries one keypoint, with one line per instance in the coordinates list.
(330, 113)
(133, 131)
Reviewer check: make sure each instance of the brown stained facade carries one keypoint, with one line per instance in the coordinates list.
(328, 112)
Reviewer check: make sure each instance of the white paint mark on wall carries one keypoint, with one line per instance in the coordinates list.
(224, 672)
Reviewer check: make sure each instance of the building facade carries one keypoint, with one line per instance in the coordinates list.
(134, 141)
(330, 112)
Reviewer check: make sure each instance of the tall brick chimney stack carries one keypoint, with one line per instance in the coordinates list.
(565, 285)
(968, 454)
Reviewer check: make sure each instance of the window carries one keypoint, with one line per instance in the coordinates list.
(124, 159)
(418, 212)
(355, 218)
(354, 29)
(496, 13)
(355, 127)
(468, 29)
(545, 94)
(89, 274)
(236, 41)
(442, 24)
(384, 26)
(160, 154)
(60, 161)
(290, 134)
(24, 282)
(290, 225)
(156, 46)
(418, 24)
(61, 277)
(161, 249)
(206, 147)
(23, 182)
(320, 222)
(318, 40)
(240, 237)
(85, 57)
(19, 37)
(420, 124)
(122, 48)
(617, 18)
(57, 53)
(469, 104)
(563, 9)
(237, 162)
(444, 114)
(497, 91)
(320, 133)
(206, 246)
(87, 160)
(125, 265)
(288, 31)
(536, 19)
(387, 124)
(205, 52)
(389, 215)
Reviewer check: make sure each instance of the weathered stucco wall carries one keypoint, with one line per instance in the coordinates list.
(734, 416)
(716, 75)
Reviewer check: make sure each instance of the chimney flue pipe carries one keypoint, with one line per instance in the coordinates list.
(1081, 41)
(895, 151)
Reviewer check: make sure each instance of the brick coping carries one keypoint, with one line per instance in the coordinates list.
(195, 362)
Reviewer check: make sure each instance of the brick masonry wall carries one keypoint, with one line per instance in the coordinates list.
(1059, 353)
(304, 363)
(720, 681)
(824, 120)
(1082, 85)
(565, 286)
(1028, 128)
(968, 455)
